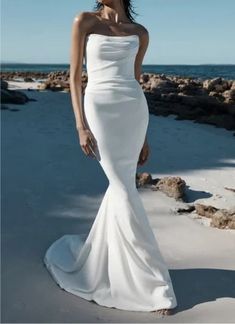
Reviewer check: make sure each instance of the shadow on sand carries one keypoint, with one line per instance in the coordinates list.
(201, 286)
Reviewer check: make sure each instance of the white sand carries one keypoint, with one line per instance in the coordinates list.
(21, 85)
(51, 188)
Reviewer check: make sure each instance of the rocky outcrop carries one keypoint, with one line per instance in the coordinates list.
(175, 187)
(224, 218)
(209, 101)
(219, 217)
(60, 81)
(4, 85)
(12, 96)
(27, 75)
(204, 210)
(56, 81)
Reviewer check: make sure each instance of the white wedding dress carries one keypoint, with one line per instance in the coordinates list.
(118, 263)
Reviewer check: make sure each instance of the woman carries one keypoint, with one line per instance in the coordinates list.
(118, 264)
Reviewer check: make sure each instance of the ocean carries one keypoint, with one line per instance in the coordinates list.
(195, 71)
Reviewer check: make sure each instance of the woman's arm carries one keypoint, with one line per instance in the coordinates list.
(81, 26)
(144, 41)
(76, 65)
(143, 45)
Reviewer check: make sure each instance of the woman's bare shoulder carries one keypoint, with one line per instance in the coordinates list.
(83, 15)
(140, 29)
(85, 20)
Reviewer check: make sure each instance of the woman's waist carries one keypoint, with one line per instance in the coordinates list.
(112, 83)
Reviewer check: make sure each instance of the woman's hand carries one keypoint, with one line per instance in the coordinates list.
(87, 141)
(144, 153)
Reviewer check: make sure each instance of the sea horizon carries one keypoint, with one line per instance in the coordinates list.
(200, 71)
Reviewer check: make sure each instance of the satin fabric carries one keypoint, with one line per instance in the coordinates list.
(118, 263)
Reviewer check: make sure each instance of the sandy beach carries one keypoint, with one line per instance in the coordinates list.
(50, 188)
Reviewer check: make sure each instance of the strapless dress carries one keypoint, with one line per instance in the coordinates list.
(118, 263)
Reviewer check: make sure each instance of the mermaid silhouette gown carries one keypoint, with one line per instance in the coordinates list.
(118, 263)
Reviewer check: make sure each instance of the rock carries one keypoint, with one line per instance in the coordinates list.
(43, 86)
(171, 186)
(205, 102)
(5, 96)
(217, 95)
(4, 84)
(163, 76)
(143, 179)
(206, 211)
(191, 99)
(220, 218)
(224, 218)
(144, 78)
(219, 88)
(146, 87)
(229, 109)
(23, 74)
(170, 97)
(13, 96)
(210, 84)
(231, 223)
(59, 81)
(233, 86)
(230, 189)
(57, 87)
(229, 96)
(163, 85)
(28, 79)
(191, 89)
(225, 84)
(222, 120)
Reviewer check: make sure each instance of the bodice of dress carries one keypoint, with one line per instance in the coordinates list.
(110, 58)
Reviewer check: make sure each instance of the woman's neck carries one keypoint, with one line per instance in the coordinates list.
(115, 14)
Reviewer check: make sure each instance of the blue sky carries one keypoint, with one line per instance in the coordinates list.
(181, 31)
